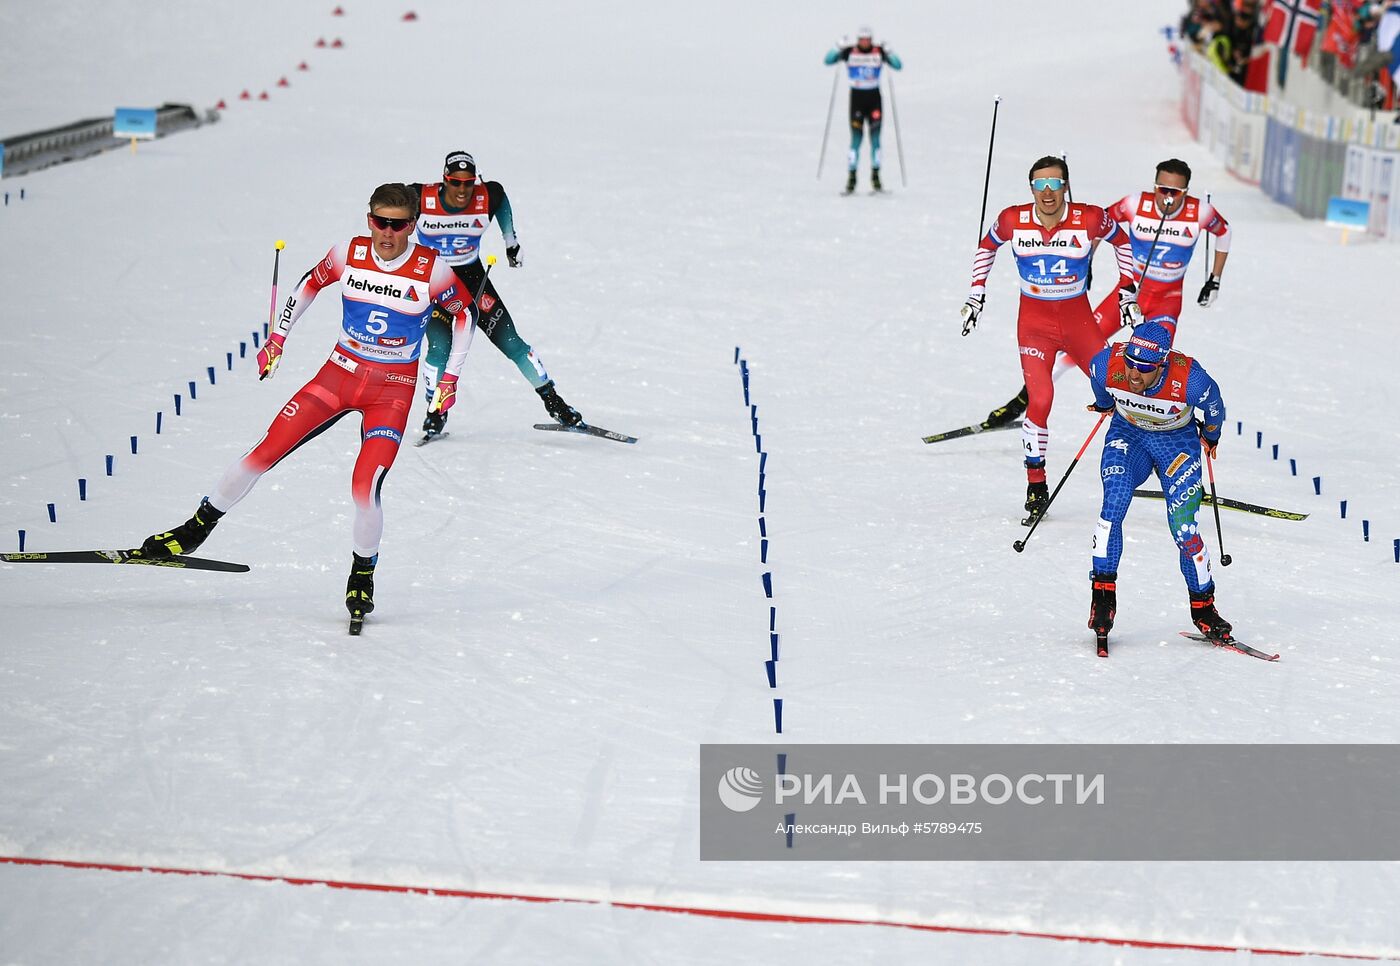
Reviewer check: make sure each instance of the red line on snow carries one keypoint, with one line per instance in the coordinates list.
(687, 910)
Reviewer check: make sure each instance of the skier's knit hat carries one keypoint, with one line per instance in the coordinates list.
(460, 161)
(1151, 341)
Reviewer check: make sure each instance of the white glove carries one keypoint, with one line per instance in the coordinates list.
(970, 311)
(1128, 307)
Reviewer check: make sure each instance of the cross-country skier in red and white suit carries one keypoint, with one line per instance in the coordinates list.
(1052, 242)
(1165, 224)
(388, 289)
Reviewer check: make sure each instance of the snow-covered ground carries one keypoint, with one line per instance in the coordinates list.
(562, 621)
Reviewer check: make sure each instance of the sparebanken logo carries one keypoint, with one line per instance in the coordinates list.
(740, 789)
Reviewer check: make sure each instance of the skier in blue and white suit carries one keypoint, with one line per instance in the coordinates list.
(1154, 394)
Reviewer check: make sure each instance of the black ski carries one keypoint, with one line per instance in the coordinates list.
(586, 430)
(1101, 644)
(1228, 504)
(357, 622)
(1232, 645)
(428, 438)
(124, 557)
(981, 427)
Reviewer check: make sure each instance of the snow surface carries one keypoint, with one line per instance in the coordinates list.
(564, 620)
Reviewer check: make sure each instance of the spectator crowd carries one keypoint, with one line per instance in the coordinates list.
(1355, 46)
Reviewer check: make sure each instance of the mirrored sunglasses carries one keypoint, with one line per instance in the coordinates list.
(395, 225)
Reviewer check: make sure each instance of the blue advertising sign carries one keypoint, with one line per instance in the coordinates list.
(134, 122)
(1348, 213)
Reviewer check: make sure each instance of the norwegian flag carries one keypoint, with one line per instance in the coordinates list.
(1293, 25)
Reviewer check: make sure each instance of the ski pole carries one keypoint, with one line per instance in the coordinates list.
(476, 299)
(272, 311)
(1150, 252)
(826, 132)
(1093, 249)
(1205, 262)
(987, 179)
(1020, 545)
(1225, 558)
(898, 141)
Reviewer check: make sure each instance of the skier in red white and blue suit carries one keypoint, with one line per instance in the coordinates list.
(1153, 394)
(388, 288)
(1052, 240)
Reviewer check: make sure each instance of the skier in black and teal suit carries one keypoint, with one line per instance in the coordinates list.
(863, 64)
(454, 214)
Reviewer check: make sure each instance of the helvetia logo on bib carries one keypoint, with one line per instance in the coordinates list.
(740, 789)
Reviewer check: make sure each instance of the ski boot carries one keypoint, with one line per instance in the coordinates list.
(554, 405)
(359, 591)
(1037, 499)
(1207, 619)
(850, 183)
(433, 424)
(1103, 605)
(1005, 414)
(875, 180)
(185, 538)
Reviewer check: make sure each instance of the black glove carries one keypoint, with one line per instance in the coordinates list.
(513, 256)
(1208, 291)
(1094, 407)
